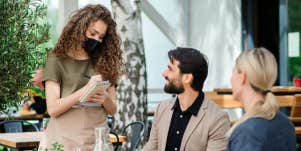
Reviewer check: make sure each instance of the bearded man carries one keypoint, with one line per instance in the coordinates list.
(190, 121)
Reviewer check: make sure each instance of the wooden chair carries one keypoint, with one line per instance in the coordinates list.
(298, 130)
(227, 101)
(296, 108)
(285, 100)
(293, 101)
(296, 114)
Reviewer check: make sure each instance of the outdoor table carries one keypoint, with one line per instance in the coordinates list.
(30, 140)
(20, 141)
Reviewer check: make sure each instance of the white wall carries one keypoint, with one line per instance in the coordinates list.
(215, 29)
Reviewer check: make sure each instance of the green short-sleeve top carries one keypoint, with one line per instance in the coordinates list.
(71, 74)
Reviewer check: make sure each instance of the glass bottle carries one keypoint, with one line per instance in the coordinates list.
(101, 139)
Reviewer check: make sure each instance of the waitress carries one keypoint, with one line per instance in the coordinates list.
(88, 47)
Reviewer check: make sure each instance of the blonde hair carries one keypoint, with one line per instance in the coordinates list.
(260, 66)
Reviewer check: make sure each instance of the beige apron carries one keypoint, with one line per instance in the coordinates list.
(74, 129)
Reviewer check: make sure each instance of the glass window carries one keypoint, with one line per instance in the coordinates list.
(294, 46)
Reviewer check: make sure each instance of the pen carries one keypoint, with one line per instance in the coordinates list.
(86, 76)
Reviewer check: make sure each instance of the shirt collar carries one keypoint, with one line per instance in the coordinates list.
(194, 108)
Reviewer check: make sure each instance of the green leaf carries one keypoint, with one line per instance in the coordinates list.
(24, 33)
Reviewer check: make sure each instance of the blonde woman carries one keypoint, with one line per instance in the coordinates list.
(262, 127)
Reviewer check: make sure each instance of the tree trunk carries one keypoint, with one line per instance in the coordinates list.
(132, 88)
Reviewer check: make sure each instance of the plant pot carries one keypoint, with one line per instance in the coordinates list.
(297, 82)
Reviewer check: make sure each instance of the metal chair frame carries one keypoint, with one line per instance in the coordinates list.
(134, 143)
(13, 126)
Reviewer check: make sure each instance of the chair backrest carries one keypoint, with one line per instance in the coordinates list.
(296, 108)
(227, 100)
(15, 126)
(134, 132)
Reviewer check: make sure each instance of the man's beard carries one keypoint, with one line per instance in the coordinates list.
(173, 89)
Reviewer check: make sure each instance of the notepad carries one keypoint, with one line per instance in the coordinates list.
(97, 86)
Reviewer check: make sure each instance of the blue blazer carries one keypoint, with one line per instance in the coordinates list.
(258, 134)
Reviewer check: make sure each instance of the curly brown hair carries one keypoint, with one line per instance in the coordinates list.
(108, 62)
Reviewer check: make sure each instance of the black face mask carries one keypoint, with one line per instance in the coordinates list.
(91, 46)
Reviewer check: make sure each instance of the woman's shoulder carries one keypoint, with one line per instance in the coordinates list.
(53, 58)
(62, 59)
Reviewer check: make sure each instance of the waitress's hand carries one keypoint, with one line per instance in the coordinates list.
(94, 79)
(100, 97)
